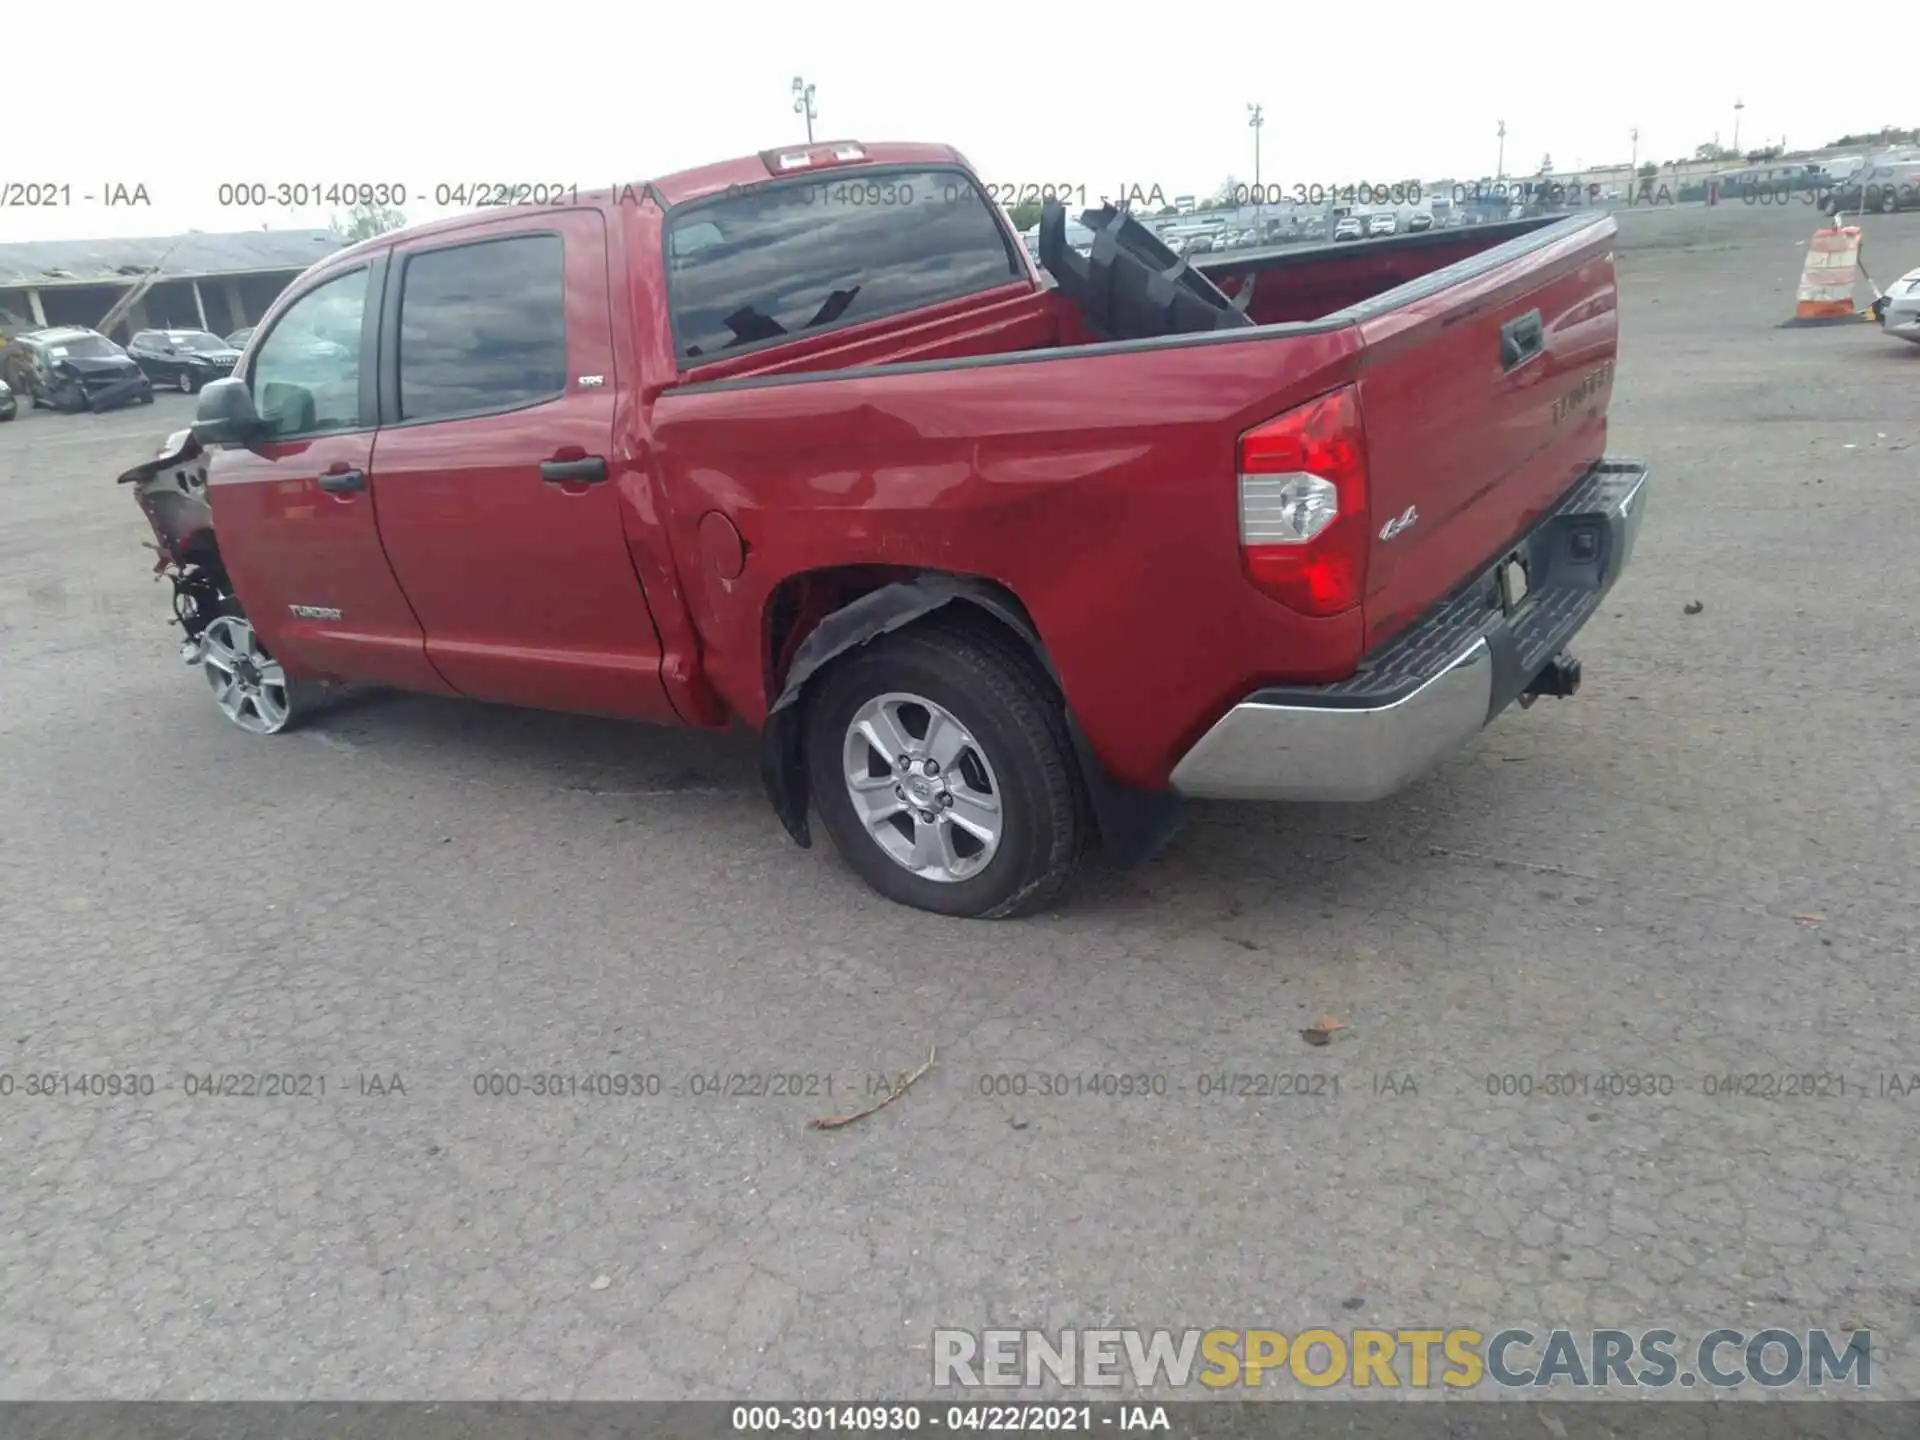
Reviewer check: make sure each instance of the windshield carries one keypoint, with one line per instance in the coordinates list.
(85, 347)
(198, 341)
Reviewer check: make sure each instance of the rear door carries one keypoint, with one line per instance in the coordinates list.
(1484, 391)
(496, 470)
(293, 512)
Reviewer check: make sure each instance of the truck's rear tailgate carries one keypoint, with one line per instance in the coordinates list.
(1484, 390)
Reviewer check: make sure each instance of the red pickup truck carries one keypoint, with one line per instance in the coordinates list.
(999, 562)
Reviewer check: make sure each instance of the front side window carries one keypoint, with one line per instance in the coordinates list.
(784, 259)
(483, 327)
(306, 376)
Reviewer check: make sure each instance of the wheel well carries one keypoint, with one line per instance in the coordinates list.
(800, 602)
(814, 618)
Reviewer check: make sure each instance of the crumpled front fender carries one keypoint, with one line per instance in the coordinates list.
(172, 491)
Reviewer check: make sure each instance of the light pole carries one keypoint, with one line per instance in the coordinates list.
(1633, 165)
(803, 104)
(1738, 106)
(1256, 117)
(1500, 165)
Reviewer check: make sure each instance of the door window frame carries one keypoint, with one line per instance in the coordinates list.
(393, 302)
(369, 408)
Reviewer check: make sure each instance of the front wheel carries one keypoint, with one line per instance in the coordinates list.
(247, 683)
(940, 763)
(185, 381)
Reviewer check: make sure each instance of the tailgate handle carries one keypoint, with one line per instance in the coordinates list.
(1521, 340)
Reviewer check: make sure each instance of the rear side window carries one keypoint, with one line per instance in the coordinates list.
(784, 259)
(483, 327)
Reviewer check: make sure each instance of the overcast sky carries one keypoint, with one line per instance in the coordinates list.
(1076, 94)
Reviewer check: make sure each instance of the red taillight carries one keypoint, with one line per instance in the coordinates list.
(1303, 505)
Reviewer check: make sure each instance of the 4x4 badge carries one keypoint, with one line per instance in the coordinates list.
(1400, 523)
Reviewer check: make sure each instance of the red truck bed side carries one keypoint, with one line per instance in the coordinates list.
(1097, 484)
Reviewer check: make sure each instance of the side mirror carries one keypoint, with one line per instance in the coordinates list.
(226, 415)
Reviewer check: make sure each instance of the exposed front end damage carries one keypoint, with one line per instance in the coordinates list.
(97, 385)
(172, 491)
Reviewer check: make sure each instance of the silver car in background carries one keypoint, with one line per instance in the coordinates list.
(1900, 308)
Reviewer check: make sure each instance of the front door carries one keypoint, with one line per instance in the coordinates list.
(496, 471)
(293, 512)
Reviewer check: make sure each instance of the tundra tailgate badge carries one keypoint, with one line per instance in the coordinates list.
(1400, 523)
(315, 612)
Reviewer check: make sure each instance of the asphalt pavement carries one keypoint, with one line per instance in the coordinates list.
(1700, 869)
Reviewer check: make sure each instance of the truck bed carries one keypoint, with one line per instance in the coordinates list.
(996, 434)
(1292, 287)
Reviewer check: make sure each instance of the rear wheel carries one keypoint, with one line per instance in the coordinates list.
(248, 684)
(941, 766)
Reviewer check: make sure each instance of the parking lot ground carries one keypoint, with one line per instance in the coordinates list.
(1703, 867)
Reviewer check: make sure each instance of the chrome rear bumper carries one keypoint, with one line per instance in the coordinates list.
(1431, 689)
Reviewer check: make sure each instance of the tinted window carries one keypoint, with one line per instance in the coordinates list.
(483, 327)
(306, 376)
(808, 255)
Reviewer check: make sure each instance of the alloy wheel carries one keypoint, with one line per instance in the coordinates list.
(922, 787)
(248, 685)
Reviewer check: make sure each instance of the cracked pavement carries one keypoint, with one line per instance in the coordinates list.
(1703, 865)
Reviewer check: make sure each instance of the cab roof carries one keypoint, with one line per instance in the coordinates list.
(839, 158)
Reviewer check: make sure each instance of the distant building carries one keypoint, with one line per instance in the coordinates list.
(209, 282)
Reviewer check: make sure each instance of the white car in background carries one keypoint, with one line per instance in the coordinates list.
(1900, 308)
(1382, 224)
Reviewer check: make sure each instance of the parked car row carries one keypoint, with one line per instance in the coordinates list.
(73, 368)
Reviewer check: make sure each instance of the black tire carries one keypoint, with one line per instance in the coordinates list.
(996, 691)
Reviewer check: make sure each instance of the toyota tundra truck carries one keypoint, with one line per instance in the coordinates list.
(999, 559)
